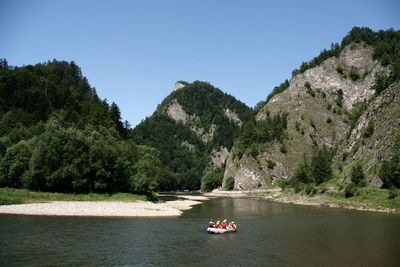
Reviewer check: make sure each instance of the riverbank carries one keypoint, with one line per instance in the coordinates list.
(24, 202)
(101, 208)
(368, 199)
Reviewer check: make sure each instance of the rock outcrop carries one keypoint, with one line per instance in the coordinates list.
(370, 140)
(178, 85)
(219, 157)
(317, 102)
(176, 112)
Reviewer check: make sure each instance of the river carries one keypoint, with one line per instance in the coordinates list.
(270, 234)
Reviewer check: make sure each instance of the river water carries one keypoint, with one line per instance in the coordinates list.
(270, 234)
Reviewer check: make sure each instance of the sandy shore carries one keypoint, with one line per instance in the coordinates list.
(101, 208)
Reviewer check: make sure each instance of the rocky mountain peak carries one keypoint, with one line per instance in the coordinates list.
(179, 85)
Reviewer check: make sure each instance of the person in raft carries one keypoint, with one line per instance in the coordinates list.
(232, 225)
(211, 223)
(217, 224)
(223, 224)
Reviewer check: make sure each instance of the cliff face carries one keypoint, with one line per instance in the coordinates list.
(318, 102)
(370, 141)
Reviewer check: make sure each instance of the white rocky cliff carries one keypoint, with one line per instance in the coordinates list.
(317, 102)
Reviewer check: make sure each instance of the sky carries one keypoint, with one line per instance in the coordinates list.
(134, 51)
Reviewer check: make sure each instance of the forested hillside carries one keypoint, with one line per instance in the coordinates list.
(56, 134)
(190, 127)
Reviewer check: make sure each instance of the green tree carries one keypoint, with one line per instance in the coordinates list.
(116, 117)
(148, 170)
(357, 175)
(14, 167)
(212, 179)
(321, 165)
(302, 174)
(390, 169)
(229, 183)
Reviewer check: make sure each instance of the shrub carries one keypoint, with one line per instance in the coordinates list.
(339, 69)
(381, 82)
(350, 190)
(329, 120)
(312, 123)
(271, 164)
(369, 130)
(392, 194)
(321, 165)
(310, 91)
(253, 150)
(277, 90)
(283, 149)
(339, 98)
(354, 74)
(310, 189)
(14, 167)
(390, 169)
(355, 114)
(357, 175)
(297, 126)
(229, 183)
(302, 174)
(211, 180)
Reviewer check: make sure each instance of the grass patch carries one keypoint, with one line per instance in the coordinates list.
(20, 196)
(369, 198)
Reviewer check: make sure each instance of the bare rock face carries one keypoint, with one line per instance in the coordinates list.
(371, 148)
(232, 116)
(189, 146)
(219, 157)
(246, 174)
(176, 112)
(178, 86)
(206, 136)
(316, 102)
(326, 78)
(357, 55)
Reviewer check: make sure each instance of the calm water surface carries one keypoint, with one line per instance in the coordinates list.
(270, 234)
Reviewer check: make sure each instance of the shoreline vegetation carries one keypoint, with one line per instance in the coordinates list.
(25, 202)
(367, 199)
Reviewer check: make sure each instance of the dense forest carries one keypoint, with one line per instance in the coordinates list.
(206, 105)
(57, 135)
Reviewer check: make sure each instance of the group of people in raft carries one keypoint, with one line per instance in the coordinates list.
(223, 225)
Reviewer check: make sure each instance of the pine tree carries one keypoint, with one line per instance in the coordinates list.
(357, 175)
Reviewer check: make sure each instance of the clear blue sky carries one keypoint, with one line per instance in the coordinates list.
(132, 52)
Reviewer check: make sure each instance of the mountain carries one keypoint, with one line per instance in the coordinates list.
(335, 123)
(338, 110)
(194, 128)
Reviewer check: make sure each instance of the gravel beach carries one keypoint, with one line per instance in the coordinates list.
(101, 208)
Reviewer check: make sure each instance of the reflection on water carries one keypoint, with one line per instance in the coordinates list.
(270, 234)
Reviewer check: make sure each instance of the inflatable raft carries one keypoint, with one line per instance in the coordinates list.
(213, 230)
